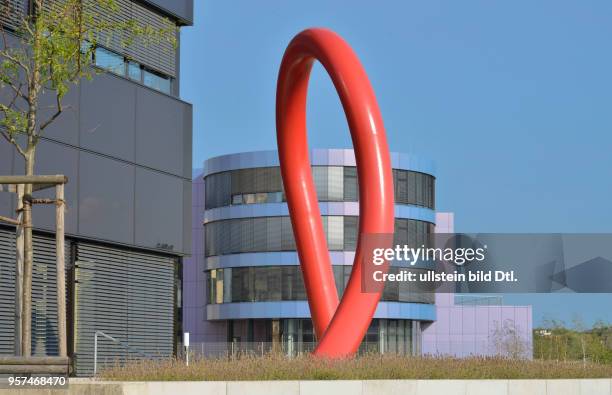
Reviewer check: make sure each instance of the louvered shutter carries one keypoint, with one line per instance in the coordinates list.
(44, 294)
(11, 12)
(127, 295)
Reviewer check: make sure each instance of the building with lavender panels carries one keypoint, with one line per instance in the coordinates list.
(243, 287)
(468, 325)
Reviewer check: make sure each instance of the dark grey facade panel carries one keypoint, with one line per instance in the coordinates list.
(54, 158)
(181, 9)
(106, 198)
(187, 130)
(6, 167)
(106, 201)
(108, 116)
(124, 120)
(126, 294)
(160, 133)
(66, 127)
(159, 215)
(111, 126)
(111, 115)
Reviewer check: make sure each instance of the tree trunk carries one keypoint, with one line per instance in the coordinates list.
(61, 273)
(26, 335)
(19, 272)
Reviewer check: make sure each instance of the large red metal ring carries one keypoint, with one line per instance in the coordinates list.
(339, 327)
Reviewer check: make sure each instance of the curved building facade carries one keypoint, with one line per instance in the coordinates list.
(250, 279)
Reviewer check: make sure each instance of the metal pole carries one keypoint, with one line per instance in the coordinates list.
(61, 270)
(19, 272)
(95, 353)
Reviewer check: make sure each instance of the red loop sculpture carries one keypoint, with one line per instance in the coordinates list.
(339, 327)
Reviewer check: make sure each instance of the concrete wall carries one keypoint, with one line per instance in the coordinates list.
(356, 387)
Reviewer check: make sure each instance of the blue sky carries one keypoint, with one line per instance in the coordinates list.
(512, 100)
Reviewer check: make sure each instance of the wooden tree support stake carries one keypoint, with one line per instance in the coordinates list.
(10, 220)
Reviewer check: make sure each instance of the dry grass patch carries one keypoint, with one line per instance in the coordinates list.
(277, 367)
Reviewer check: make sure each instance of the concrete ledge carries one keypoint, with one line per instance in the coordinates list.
(342, 387)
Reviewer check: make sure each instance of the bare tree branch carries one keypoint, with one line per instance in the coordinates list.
(17, 95)
(12, 140)
(17, 91)
(58, 112)
(5, 52)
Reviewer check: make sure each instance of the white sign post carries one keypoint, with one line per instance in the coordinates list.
(186, 344)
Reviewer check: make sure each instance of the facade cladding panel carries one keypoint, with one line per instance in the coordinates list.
(126, 150)
(251, 280)
(181, 9)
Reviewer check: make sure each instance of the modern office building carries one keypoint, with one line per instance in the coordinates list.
(125, 146)
(468, 325)
(243, 284)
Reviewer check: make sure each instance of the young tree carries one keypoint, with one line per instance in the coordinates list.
(48, 51)
(508, 342)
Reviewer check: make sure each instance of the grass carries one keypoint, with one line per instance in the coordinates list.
(369, 367)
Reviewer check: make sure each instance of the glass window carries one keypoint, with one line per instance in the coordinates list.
(134, 71)
(276, 283)
(335, 233)
(350, 233)
(156, 81)
(227, 285)
(339, 279)
(110, 61)
(335, 183)
(287, 240)
(332, 183)
(351, 189)
(237, 199)
(262, 234)
(275, 197)
(219, 286)
(390, 291)
(85, 46)
(319, 175)
(274, 234)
